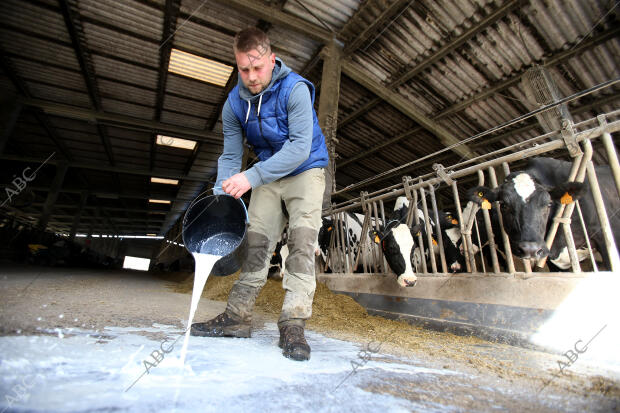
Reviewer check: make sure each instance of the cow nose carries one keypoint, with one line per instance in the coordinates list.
(531, 250)
(411, 283)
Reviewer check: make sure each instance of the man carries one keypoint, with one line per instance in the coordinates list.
(273, 108)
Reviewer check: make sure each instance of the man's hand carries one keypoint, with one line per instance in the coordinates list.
(236, 185)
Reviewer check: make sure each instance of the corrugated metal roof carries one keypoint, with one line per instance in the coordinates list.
(42, 50)
(196, 38)
(116, 70)
(107, 41)
(123, 39)
(127, 14)
(293, 48)
(222, 17)
(333, 13)
(190, 88)
(58, 94)
(40, 73)
(46, 21)
(183, 120)
(124, 92)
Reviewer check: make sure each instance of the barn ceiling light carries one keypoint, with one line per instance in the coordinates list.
(164, 181)
(159, 201)
(175, 142)
(197, 67)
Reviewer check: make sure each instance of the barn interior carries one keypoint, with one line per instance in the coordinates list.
(110, 126)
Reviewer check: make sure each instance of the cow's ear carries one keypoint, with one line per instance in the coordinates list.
(375, 236)
(568, 192)
(483, 196)
(416, 229)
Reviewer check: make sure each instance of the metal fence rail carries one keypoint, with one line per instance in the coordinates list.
(576, 139)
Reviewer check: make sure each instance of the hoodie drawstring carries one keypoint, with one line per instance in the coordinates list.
(260, 100)
(247, 115)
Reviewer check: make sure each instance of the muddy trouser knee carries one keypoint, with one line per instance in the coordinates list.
(303, 196)
(299, 279)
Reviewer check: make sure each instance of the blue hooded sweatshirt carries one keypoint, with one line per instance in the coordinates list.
(284, 133)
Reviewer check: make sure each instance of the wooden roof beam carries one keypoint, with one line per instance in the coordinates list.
(69, 9)
(107, 168)
(404, 106)
(171, 13)
(123, 121)
(390, 12)
(274, 15)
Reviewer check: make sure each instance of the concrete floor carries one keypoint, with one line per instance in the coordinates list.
(79, 312)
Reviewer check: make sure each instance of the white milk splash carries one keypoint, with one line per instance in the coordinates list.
(204, 264)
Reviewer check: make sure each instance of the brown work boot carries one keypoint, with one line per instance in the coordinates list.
(221, 326)
(293, 342)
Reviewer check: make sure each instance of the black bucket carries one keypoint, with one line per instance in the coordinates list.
(217, 225)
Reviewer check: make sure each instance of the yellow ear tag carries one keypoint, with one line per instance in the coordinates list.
(485, 204)
(377, 239)
(329, 229)
(417, 234)
(434, 242)
(566, 199)
(455, 222)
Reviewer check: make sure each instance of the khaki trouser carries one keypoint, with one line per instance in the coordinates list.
(302, 195)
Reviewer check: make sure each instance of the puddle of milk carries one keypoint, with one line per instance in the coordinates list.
(204, 264)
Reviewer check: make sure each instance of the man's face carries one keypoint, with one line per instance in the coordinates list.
(255, 68)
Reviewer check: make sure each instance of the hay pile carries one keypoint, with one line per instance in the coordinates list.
(335, 315)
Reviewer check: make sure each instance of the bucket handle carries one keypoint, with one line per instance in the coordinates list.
(200, 196)
(197, 198)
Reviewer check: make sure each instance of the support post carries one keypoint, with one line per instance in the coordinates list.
(78, 216)
(52, 195)
(10, 108)
(328, 112)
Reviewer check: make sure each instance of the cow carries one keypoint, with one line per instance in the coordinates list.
(450, 232)
(352, 237)
(452, 241)
(398, 244)
(529, 197)
(278, 259)
(277, 264)
(480, 237)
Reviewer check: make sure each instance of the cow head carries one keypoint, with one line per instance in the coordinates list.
(447, 220)
(451, 235)
(398, 242)
(526, 206)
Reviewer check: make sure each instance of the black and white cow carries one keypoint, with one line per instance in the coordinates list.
(452, 241)
(398, 244)
(480, 237)
(528, 199)
(278, 259)
(451, 236)
(277, 264)
(352, 239)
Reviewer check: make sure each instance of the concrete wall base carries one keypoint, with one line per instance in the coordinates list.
(504, 308)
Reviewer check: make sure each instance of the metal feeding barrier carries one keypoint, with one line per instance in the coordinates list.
(346, 255)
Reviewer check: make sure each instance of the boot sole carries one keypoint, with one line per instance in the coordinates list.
(239, 332)
(296, 355)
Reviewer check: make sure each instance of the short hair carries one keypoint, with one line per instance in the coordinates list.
(251, 38)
